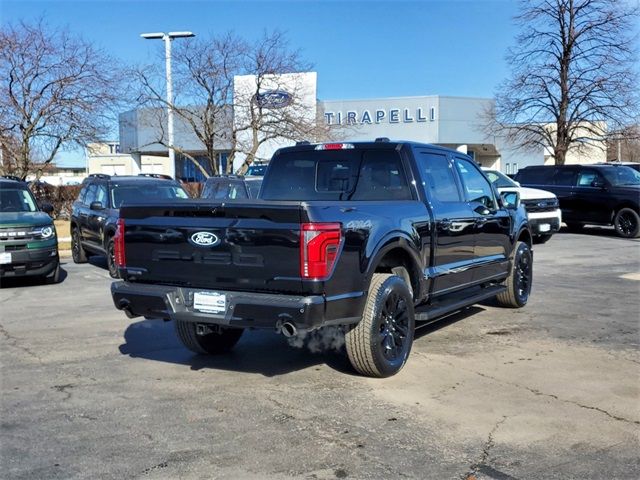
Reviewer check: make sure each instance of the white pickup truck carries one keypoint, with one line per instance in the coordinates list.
(543, 208)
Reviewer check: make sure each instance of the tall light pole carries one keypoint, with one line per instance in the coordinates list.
(168, 37)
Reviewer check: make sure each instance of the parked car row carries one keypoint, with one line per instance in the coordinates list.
(28, 237)
(599, 194)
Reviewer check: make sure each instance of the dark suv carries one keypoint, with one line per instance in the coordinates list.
(95, 212)
(591, 194)
(231, 187)
(28, 242)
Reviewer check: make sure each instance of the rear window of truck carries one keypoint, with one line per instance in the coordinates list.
(336, 175)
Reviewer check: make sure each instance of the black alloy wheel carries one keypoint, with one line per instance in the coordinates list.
(77, 252)
(627, 223)
(518, 283)
(111, 259)
(394, 327)
(379, 345)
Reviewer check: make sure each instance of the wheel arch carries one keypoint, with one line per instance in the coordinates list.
(394, 253)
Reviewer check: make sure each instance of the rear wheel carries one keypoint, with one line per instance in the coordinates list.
(520, 278)
(627, 223)
(379, 345)
(78, 253)
(111, 259)
(219, 341)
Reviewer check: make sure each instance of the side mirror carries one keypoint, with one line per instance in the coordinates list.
(96, 206)
(510, 200)
(47, 208)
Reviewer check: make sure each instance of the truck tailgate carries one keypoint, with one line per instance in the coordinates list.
(227, 246)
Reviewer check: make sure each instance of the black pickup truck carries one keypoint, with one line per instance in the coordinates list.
(370, 236)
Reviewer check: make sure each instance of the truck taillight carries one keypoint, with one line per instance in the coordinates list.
(118, 245)
(319, 247)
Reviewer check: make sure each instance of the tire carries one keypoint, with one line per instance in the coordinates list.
(520, 278)
(379, 345)
(53, 277)
(575, 227)
(111, 259)
(78, 253)
(211, 343)
(540, 239)
(627, 223)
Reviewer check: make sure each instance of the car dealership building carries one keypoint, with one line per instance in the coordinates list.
(450, 121)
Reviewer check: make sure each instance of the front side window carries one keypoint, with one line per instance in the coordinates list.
(500, 180)
(101, 195)
(588, 178)
(90, 196)
(17, 200)
(476, 188)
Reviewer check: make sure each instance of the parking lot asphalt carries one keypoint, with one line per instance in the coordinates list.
(548, 391)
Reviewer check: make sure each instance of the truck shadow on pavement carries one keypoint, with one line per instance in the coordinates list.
(258, 351)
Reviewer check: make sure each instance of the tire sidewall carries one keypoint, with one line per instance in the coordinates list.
(385, 366)
(616, 223)
(111, 266)
(76, 247)
(523, 249)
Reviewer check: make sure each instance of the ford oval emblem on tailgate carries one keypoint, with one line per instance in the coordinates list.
(204, 239)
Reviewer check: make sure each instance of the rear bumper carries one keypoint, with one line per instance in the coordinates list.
(30, 262)
(243, 309)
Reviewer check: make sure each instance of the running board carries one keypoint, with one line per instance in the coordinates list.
(444, 307)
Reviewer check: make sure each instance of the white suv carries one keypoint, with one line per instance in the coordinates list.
(542, 207)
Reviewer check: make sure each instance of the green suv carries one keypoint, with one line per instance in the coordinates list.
(28, 242)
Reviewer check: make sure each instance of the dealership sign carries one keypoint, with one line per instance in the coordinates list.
(380, 115)
(274, 99)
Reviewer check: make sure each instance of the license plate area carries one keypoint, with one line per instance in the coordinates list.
(210, 302)
(5, 258)
(544, 227)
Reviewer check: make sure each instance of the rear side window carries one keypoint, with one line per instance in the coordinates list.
(337, 175)
(536, 176)
(223, 190)
(564, 177)
(439, 178)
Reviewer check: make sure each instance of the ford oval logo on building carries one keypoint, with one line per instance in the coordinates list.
(274, 99)
(204, 239)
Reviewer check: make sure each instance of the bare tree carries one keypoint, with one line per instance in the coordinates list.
(203, 71)
(57, 91)
(624, 145)
(273, 69)
(217, 116)
(572, 75)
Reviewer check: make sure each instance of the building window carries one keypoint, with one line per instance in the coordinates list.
(514, 167)
(507, 168)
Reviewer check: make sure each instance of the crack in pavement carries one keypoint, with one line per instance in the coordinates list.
(539, 393)
(13, 341)
(486, 449)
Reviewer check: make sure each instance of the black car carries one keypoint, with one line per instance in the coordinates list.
(95, 213)
(369, 236)
(28, 241)
(598, 194)
(231, 187)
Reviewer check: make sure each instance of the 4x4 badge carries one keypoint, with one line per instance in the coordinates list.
(204, 239)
